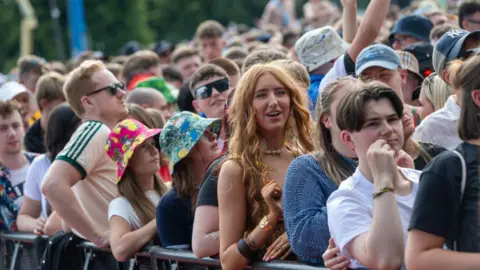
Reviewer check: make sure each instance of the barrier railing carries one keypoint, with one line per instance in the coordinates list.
(18, 252)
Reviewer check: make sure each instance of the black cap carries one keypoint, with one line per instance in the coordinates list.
(162, 46)
(413, 25)
(130, 48)
(423, 52)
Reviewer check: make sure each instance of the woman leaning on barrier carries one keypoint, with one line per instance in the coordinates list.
(270, 126)
(446, 211)
(36, 214)
(132, 146)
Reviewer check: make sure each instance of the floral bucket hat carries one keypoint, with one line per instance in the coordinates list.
(182, 132)
(124, 139)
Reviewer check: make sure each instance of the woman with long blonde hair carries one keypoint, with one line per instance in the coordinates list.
(270, 125)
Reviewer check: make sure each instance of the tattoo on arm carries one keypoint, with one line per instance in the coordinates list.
(213, 236)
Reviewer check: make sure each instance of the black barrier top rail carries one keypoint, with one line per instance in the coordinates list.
(156, 252)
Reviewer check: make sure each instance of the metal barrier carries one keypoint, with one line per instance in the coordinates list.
(18, 253)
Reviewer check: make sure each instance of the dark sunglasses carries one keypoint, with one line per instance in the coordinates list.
(205, 91)
(113, 88)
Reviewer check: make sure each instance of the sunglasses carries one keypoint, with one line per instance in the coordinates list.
(113, 88)
(205, 91)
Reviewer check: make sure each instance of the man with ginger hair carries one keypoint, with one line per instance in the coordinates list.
(80, 183)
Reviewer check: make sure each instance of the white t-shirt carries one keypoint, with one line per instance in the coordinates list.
(440, 127)
(336, 72)
(121, 207)
(17, 180)
(35, 176)
(350, 209)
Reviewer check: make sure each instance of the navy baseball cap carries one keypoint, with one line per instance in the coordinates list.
(377, 55)
(423, 52)
(449, 47)
(413, 25)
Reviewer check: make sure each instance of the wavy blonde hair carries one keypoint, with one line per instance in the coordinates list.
(246, 141)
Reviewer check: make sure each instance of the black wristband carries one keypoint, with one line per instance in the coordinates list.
(245, 250)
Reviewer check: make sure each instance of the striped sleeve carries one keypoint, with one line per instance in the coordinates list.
(82, 147)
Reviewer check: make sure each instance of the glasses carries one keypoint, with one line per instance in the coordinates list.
(113, 88)
(205, 91)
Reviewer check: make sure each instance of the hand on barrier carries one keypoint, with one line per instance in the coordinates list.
(332, 260)
(279, 249)
(39, 226)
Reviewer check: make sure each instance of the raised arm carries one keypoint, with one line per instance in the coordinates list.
(57, 187)
(124, 242)
(370, 27)
(382, 247)
(349, 19)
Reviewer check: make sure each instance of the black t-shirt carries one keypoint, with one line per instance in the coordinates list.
(432, 149)
(34, 139)
(349, 64)
(438, 209)
(208, 191)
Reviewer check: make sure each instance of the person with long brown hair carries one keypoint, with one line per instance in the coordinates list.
(311, 178)
(190, 143)
(446, 211)
(270, 125)
(131, 145)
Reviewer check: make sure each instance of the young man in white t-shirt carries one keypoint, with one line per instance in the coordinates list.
(14, 164)
(368, 215)
(80, 183)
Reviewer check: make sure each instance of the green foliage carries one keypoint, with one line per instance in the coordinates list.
(111, 23)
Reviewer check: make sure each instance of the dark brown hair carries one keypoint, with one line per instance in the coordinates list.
(50, 88)
(204, 73)
(438, 31)
(31, 64)
(170, 73)
(226, 64)
(139, 62)
(262, 57)
(183, 52)
(352, 108)
(8, 107)
(209, 29)
(464, 77)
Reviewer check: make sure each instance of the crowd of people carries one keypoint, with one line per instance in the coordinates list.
(339, 140)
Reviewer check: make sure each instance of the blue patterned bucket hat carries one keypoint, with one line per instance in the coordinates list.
(182, 132)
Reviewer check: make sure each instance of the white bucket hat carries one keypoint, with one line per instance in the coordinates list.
(320, 46)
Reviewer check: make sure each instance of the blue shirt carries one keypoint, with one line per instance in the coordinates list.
(315, 80)
(174, 221)
(305, 195)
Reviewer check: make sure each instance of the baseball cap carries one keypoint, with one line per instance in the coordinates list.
(10, 90)
(423, 52)
(320, 46)
(410, 63)
(413, 25)
(377, 55)
(449, 47)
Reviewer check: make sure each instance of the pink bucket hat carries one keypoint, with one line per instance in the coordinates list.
(123, 140)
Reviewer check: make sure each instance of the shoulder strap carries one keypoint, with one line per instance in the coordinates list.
(464, 173)
(463, 183)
